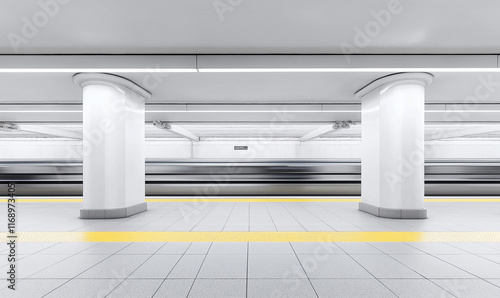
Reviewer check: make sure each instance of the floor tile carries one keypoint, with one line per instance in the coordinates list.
(415, 288)
(473, 288)
(494, 281)
(84, 288)
(174, 288)
(67, 248)
(173, 248)
(224, 266)
(116, 266)
(218, 288)
(70, 267)
(383, 266)
(34, 263)
(332, 266)
(274, 266)
(105, 248)
(494, 258)
(431, 267)
(270, 248)
(34, 247)
(158, 266)
(476, 248)
(280, 288)
(350, 288)
(135, 288)
(396, 248)
(474, 264)
(225, 248)
(436, 248)
(141, 248)
(316, 248)
(31, 288)
(358, 248)
(187, 267)
(198, 248)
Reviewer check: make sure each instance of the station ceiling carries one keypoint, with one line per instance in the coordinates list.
(251, 26)
(232, 28)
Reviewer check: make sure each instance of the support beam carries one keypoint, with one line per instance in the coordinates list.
(323, 130)
(114, 146)
(177, 129)
(463, 132)
(392, 154)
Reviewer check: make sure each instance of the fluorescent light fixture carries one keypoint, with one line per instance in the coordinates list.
(254, 111)
(348, 70)
(177, 130)
(320, 131)
(8, 127)
(245, 70)
(106, 70)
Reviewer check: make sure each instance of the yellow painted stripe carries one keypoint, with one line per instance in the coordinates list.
(253, 200)
(255, 237)
(43, 200)
(462, 200)
(235, 200)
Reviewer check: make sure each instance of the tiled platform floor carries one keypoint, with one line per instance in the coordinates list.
(272, 269)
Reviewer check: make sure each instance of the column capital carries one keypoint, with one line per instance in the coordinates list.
(421, 78)
(126, 85)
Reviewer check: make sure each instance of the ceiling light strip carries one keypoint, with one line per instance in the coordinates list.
(245, 70)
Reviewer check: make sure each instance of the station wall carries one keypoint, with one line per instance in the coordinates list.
(257, 149)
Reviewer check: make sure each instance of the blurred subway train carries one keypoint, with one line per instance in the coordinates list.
(253, 178)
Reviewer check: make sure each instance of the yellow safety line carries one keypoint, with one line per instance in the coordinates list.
(44, 200)
(252, 200)
(462, 200)
(255, 237)
(242, 200)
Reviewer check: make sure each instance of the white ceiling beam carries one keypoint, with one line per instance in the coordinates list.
(97, 63)
(177, 130)
(50, 131)
(182, 113)
(463, 132)
(245, 63)
(339, 63)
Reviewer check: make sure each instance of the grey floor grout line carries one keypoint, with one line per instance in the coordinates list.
(199, 269)
(184, 253)
(74, 277)
(295, 218)
(469, 253)
(150, 256)
(182, 217)
(208, 212)
(248, 253)
(270, 216)
(430, 280)
(305, 272)
(366, 269)
(69, 256)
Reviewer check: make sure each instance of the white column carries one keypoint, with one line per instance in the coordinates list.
(113, 146)
(392, 160)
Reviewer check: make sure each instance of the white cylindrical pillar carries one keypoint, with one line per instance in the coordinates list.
(392, 161)
(113, 146)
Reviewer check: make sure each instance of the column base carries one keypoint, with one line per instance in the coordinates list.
(113, 213)
(393, 213)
